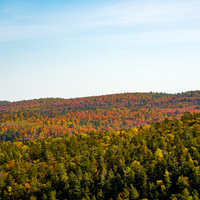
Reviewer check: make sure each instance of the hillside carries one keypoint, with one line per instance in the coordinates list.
(56, 116)
(158, 161)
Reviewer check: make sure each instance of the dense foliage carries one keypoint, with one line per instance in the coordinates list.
(46, 117)
(157, 161)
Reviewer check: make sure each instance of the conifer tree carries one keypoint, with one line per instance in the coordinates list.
(133, 193)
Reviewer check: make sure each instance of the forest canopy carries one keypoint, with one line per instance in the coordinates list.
(26, 120)
(157, 161)
(111, 147)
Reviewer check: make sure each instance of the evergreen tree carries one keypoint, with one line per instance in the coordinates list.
(133, 193)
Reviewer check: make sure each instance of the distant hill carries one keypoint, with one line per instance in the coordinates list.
(4, 103)
(56, 116)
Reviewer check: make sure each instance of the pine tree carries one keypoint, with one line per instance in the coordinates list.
(52, 195)
(167, 180)
(126, 194)
(186, 195)
(77, 190)
(93, 197)
(100, 195)
(133, 193)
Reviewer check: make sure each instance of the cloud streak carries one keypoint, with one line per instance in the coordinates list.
(169, 20)
(151, 12)
(149, 37)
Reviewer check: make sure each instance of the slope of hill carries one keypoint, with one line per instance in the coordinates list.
(56, 116)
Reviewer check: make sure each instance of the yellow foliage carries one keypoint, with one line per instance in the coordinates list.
(146, 127)
(84, 135)
(9, 188)
(159, 182)
(17, 144)
(163, 187)
(158, 154)
(166, 173)
(135, 165)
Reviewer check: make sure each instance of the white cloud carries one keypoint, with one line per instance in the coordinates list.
(149, 12)
(149, 37)
(173, 20)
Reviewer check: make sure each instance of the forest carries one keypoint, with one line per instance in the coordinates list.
(142, 146)
(24, 120)
(156, 161)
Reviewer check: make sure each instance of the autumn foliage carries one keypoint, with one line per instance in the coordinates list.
(157, 161)
(26, 120)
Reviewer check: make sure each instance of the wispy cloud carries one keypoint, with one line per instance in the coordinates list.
(148, 37)
(149, 12)
(172, 20)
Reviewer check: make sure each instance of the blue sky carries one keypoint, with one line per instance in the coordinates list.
(69, 49)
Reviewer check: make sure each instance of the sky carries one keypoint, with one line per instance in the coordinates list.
(69, 49)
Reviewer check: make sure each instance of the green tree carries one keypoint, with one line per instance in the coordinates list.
(133, 193)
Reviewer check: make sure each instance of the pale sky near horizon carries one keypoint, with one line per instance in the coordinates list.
(79, 48)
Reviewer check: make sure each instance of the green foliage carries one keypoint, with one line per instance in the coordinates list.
(159, 161)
